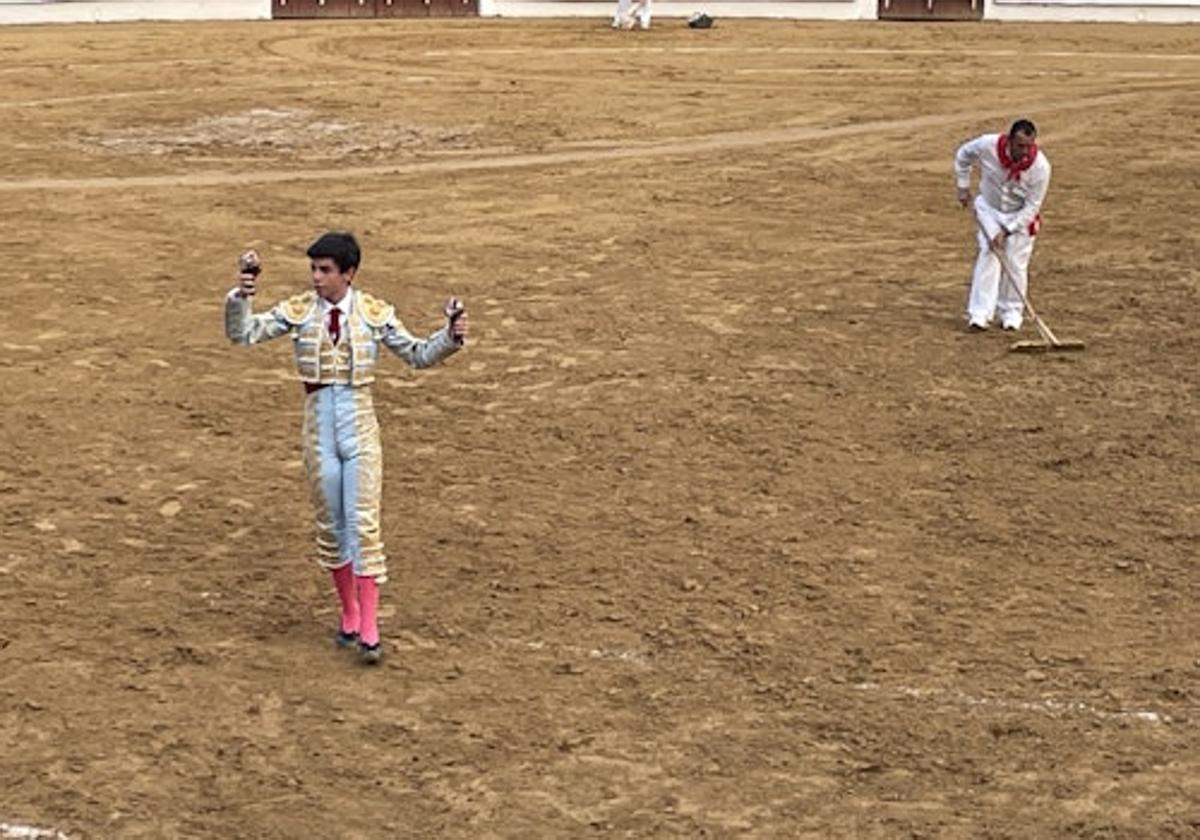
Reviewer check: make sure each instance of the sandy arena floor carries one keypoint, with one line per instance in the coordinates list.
(721, 527)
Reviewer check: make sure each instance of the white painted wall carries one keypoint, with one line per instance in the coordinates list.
(100, 11)
(1114, 11)
(1120, 11)
(794, 9)
(1047, 11)
(1107, 11)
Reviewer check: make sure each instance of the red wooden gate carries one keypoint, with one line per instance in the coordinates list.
(931, 9)
(373, 8)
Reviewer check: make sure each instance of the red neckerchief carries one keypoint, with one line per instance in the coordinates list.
(1014, 170)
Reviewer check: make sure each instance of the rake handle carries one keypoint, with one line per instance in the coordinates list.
(1009, 275)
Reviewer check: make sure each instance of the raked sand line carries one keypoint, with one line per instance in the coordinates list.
(700, 145)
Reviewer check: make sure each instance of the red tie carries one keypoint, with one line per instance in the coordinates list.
(335, 325)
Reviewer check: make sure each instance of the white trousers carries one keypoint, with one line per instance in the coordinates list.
(630, 12)
(992, 294)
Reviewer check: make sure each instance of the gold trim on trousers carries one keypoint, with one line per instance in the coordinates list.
(343, 460)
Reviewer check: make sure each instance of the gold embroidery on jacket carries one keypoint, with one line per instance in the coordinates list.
(374, 311)
(353, 360)
(298, 308)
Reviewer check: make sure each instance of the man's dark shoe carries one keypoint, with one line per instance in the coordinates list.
(370, 654)
(345, 640)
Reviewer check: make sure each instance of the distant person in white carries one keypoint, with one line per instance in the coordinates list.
(631, 13)
(1014, 177)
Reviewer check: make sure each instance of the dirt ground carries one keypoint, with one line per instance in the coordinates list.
(721, 526)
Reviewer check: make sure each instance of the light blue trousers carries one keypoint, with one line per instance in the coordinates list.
(343, 460)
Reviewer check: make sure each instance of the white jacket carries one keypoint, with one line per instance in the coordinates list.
(1017, 196)
(371, 322)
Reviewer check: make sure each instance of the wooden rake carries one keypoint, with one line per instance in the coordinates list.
(1050, 343)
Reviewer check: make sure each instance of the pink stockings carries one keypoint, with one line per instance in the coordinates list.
(359, 597)
(368, 605)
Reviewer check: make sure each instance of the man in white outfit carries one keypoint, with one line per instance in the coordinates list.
(631, 13)
(1014, 177)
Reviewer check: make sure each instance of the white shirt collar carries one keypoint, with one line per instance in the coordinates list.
(342, 305)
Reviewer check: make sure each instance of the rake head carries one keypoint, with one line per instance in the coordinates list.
(1046, 346)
